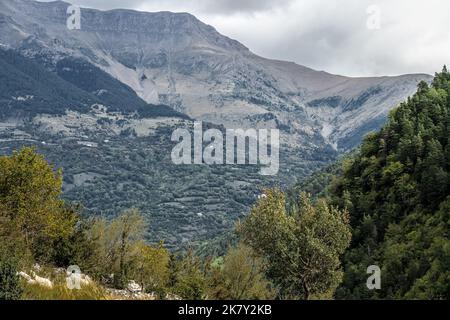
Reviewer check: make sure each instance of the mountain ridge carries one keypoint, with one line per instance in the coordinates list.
(177, 60)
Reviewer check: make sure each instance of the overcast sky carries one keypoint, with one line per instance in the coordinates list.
(349, 37)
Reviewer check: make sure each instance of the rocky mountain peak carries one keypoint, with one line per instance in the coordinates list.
(168, 30)
(177, 60)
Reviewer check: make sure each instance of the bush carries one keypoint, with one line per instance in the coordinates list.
(10, 287)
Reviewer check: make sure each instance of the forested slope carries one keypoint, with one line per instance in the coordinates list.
(397, 189)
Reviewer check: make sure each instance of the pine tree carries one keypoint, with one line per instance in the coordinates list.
(396, 198)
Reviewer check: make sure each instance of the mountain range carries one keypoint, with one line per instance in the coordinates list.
(102, 102)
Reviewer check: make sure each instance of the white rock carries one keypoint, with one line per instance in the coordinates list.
(44, 282)
(26, 277)
(134, 287)
(170, 296)
(35, 279)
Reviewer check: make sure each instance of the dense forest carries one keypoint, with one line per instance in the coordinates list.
(396, 186)
(397, 190)
(386, 204)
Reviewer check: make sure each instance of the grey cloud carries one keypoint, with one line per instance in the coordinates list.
(220, 7)
(239, 6)
(332, 35)
(107, 4)
(328, 35)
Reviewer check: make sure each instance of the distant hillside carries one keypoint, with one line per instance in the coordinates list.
(28, 88)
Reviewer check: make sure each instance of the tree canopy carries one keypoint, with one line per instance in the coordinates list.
(397, 189)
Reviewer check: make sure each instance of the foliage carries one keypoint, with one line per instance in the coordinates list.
(30, 201)
(396, 188)
(187, 277)
(10, 286)
(151, 267)
(317, 184)
(36, 225)
(239, 276)
(302, 247)
(116, 243)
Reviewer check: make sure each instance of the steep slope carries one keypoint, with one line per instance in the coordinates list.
(397, 189)
(177, 60)
(28, 89)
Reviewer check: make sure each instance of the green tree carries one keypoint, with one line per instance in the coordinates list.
(116, 243)
(10, 287)
(30, 201)
(187, 277)
(395, 187)
(151, 266)
(239, 276)
(302, 247)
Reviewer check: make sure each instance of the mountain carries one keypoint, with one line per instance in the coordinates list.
(103, 101)
(175, 59)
